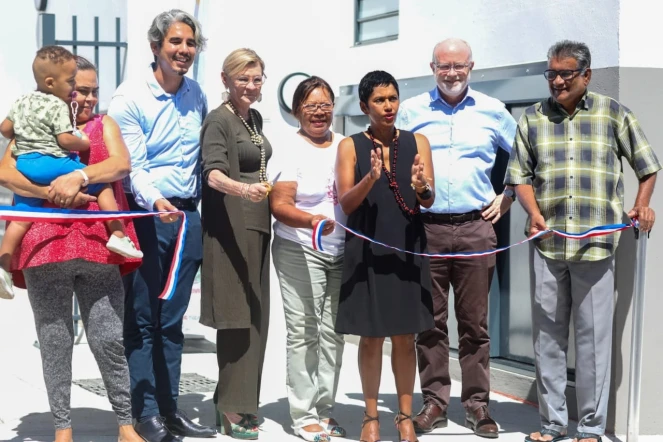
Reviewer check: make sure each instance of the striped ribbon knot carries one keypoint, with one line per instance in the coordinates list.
(49, 215)
(594, 231)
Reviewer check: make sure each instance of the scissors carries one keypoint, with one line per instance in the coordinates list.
(270, 184)
(276, 178)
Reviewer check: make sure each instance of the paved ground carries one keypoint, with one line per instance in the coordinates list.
(24, 412)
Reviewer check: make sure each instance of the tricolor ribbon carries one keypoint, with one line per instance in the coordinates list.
(48, 215)
(595, 231)
(317, 235)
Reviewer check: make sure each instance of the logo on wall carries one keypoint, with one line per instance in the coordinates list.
(287, 88)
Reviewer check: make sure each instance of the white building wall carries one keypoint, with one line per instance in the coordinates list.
(21, 38)
(316, 37)
(640, 73)
(640, 38)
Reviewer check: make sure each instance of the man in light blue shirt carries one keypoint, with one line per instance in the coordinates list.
(160, 116)
(465, 129)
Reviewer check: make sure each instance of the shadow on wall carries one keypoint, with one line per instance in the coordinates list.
(625, 263)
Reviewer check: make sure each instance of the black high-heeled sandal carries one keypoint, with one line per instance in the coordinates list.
(400, 417)
(367, 419)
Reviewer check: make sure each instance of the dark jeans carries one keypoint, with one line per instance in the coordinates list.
(470, 279)
(153, 337)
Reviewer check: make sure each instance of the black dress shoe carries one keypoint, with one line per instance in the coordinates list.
(181, 425)
(153, 430)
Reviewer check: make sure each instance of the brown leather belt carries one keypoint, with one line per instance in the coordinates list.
(451, 218)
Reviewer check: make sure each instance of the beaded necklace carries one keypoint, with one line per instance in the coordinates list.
(391, 175)
(256, 138)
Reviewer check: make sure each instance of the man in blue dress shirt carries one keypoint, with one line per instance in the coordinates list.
(160, 116)
(465, 129)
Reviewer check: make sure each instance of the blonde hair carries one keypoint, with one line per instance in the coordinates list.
(240, 59)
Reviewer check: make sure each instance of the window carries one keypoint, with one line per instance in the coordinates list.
(376, 21)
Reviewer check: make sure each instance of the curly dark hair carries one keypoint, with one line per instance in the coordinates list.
(54, 54)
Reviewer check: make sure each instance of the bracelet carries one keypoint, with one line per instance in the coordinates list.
(245, 191)
(86, 180)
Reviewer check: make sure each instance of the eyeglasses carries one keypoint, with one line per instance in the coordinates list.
(257, 81)
(446, 67)
(87, 91)
(312, 108)
(566, 74)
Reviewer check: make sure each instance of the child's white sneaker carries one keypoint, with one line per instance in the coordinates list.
(123, 246)
(6, 286)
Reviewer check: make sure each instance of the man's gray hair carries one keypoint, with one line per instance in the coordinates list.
(163, 22)
(571, 49)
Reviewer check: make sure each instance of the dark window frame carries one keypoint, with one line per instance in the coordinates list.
(359, 21)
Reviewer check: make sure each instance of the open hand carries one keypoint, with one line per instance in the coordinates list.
(497, 208)
(376, 164)
(418, 178)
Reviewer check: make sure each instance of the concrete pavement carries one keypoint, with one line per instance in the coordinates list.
(25, 414)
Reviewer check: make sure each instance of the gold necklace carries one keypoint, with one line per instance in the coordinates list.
(256, 139)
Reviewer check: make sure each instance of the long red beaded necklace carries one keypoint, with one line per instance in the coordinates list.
(391, 175)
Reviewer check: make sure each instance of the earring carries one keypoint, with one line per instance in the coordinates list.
(259, 97)
(225, 96)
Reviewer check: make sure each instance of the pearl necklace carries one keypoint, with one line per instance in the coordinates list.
(256, 138)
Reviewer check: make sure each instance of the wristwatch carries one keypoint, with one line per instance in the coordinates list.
(510, 193)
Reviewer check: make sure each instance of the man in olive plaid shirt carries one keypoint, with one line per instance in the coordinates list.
(566, 165)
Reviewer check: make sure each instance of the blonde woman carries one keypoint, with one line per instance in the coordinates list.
(236, 235)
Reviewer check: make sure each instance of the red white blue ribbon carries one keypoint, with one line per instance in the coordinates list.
(317, 235)
(595, 231)
(49, 215)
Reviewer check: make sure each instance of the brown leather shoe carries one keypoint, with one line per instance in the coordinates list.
(481, 423)
(429, 418)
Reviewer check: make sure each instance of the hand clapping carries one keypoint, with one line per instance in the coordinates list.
(418, 178)
(376, 164)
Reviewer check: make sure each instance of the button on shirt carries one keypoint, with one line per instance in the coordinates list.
(162, 132)
(574, 163)
(464, 140)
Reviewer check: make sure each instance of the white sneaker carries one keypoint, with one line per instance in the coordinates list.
(123, 246)
(6, 286)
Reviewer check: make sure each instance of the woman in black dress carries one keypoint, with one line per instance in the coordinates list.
(382, 179)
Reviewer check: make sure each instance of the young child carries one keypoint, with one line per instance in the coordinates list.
(46, 140)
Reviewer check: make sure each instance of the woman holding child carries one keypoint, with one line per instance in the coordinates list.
(56, 260)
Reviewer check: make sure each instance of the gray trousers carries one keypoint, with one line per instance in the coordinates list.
(586, 289)
(100, 294)
(310, 286)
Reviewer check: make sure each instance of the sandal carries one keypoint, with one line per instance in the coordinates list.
(242, 430)
(367, 419)
(400, 417)
(556, 436)
(582, 435)
(334, 430)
